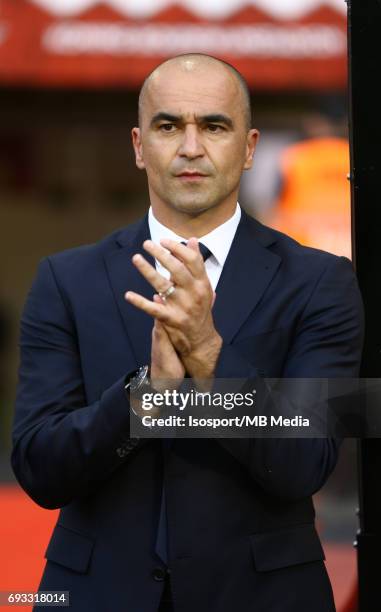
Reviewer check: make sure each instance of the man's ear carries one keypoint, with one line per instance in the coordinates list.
(251, 143)
(138, 147)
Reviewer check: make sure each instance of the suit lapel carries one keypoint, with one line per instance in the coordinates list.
(124, 277)
(248, 270)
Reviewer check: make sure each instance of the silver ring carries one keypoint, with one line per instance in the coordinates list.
(165, 294)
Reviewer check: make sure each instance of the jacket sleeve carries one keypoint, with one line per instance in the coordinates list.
(327, 344)
(62, 446)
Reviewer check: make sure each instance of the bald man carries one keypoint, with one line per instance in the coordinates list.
(195, 289)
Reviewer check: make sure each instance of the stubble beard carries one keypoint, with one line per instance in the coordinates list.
(192, 200)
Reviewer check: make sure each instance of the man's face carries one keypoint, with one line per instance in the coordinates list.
(193, 140)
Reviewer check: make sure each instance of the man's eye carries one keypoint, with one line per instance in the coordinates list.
(167, 127)
(214, 128)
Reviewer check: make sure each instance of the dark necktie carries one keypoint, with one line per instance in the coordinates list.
(205, 252)
(161, 547)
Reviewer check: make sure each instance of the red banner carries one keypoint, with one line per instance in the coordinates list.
(84, 43)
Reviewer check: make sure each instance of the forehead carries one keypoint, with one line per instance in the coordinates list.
(193, 91)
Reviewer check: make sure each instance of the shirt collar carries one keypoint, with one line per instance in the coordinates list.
(218, 240)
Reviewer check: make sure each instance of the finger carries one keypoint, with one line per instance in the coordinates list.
(193, 244)
(156, 298)
(214, 298)
(155, 279)
(159, 311)
(178, 271)
(189, 254)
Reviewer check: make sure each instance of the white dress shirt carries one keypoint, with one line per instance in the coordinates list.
(218, 242)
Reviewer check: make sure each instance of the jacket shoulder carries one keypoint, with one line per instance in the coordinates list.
(82, 265)
(291, 250)
(95, 249)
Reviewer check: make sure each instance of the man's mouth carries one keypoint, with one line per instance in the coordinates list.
(188, 175)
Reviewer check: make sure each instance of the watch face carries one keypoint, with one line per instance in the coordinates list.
(138, 380)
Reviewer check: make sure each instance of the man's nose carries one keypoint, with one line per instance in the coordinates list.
(191, 145)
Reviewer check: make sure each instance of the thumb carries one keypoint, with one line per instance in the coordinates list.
(159, 330)
(157, 326)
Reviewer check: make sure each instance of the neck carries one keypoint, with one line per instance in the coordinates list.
(196, 224)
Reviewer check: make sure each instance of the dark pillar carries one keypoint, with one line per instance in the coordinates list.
(365, 93)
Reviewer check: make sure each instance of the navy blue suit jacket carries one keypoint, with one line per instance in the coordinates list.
(240, 516)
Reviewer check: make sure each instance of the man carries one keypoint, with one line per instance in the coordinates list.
(198, 524)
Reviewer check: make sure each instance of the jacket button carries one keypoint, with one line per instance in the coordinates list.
(121, 452)
(159, 574)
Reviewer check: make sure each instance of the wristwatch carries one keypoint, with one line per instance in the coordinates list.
(137, 380)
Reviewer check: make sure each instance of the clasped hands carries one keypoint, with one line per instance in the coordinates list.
(184, 338)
